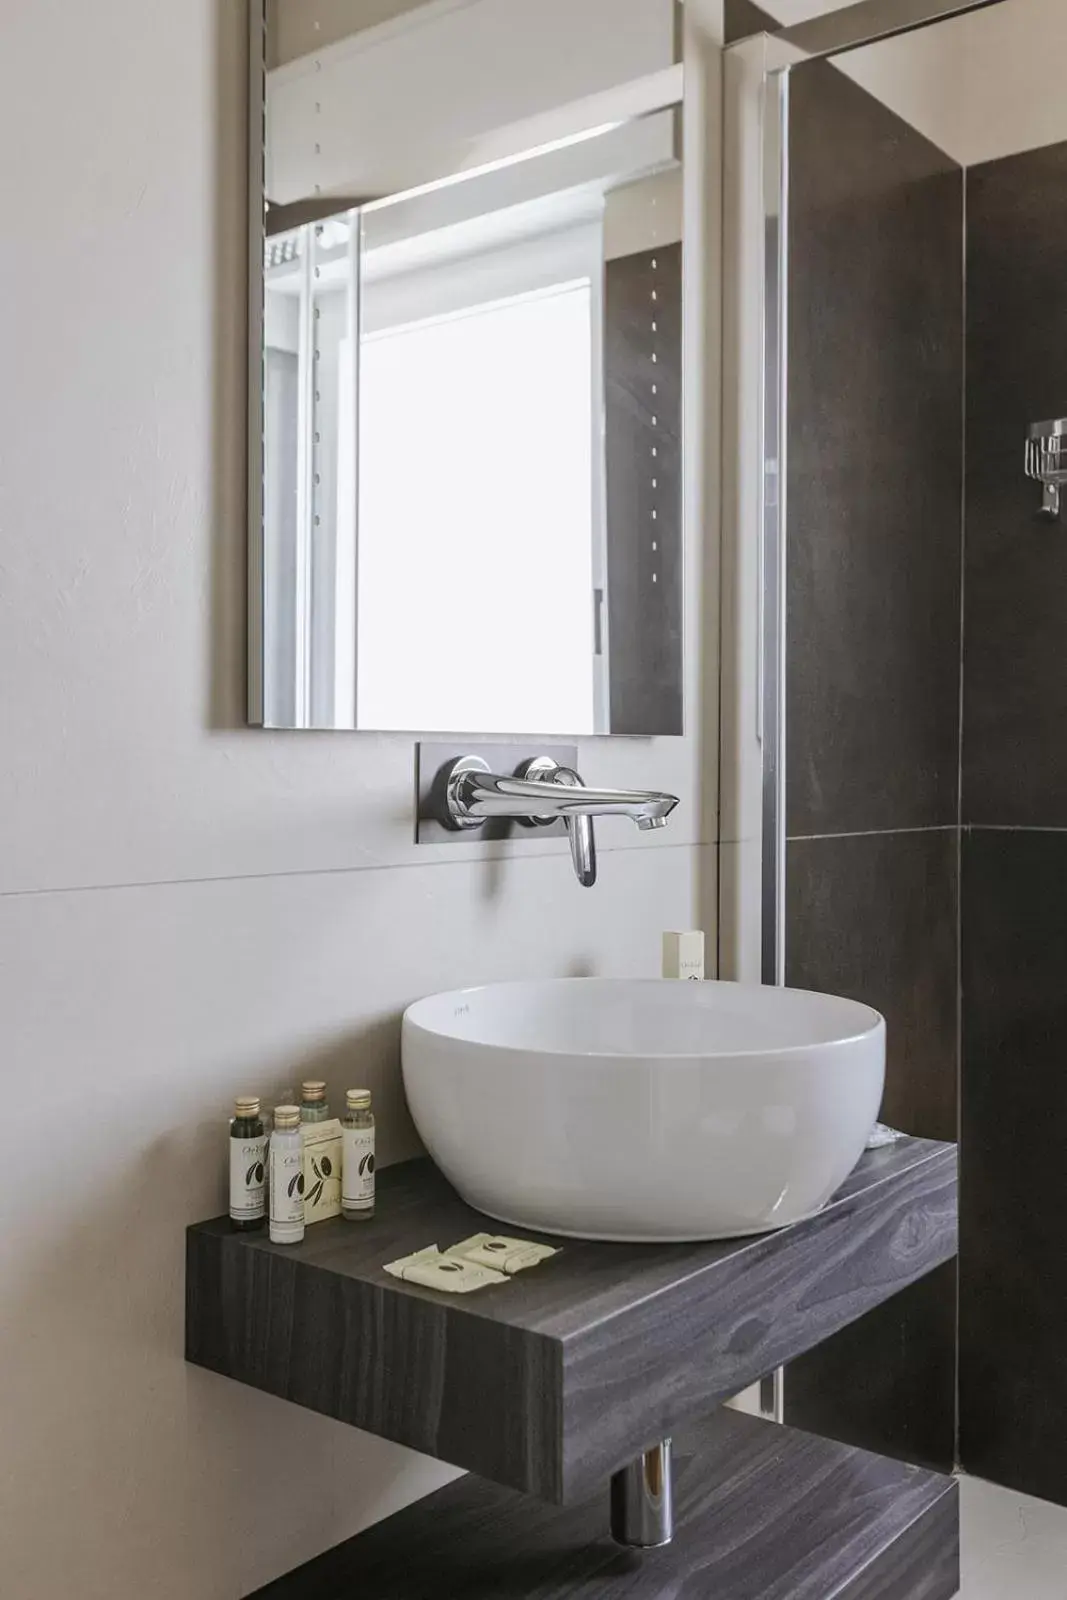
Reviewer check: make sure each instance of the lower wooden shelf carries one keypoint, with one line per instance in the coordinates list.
(762, 1513)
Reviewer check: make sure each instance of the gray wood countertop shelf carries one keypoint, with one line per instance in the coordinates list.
(551, 1382)
(763, 1513)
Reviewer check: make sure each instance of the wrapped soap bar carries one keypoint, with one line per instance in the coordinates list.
(433, 1270)
(496, 1251)
(397, 1269)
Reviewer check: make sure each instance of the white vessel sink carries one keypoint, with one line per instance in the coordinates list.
(643, 1111)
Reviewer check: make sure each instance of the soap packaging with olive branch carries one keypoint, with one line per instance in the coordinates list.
(501, 1253)
(322, 1169)
(476, 1263)
(450, 1275)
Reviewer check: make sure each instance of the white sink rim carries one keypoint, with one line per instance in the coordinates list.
(422, 1014)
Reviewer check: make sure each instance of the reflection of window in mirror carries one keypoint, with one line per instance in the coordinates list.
(481, 473)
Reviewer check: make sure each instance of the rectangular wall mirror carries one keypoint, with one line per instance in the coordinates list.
(466, 437)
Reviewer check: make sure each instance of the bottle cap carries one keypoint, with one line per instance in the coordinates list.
(313, 1091)
(247, 1105)
(287, 1117)
(358, 1099)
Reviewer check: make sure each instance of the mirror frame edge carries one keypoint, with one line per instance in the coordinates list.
(256, 166)
(255, 689)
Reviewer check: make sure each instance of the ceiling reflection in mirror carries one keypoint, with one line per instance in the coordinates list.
(469, 452)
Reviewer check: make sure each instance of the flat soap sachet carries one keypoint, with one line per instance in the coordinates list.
(502, 1254)
(433, 1270)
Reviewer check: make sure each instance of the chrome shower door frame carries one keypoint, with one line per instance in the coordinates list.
(754, 756)
(756, 441)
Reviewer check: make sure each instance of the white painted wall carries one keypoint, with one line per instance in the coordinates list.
(376, 114)
(299, 27)
(981, 86)
(791, 12)
(189, 908)
(1013, 62)
(639, 216)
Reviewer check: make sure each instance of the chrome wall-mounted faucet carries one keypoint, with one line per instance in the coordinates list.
(540, 793)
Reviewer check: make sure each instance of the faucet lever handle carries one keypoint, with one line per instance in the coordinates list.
(580, 829)
(581, 832)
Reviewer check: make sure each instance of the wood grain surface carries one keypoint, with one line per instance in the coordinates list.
(552, 1381)
(763, 1513)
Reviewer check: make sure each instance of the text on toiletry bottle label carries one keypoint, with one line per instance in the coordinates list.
(286, 1185)
(358, 1169)
(248, 1178)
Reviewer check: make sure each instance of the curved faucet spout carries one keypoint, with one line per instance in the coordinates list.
(543, 793)
(475, 796)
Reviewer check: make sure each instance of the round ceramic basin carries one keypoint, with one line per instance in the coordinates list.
(643, 1111)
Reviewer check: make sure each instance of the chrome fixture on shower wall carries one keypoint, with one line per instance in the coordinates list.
(1046, 462)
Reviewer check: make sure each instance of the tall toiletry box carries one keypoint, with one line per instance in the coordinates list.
(323, 1143)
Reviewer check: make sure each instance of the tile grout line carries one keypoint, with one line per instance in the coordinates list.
(327, 872)
(1014, 827)
(941, 827)
(870, 833)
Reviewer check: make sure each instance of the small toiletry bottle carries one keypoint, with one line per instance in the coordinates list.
(248, 1166)
(313, 1107)
(286, 1178)
(357, 1168)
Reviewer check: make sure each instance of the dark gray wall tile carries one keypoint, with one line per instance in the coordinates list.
(875, 465)
(874, 917)
(1013, 1287)
(643, 447)
(1015, 669)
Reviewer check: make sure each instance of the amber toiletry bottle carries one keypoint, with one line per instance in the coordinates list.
(248, 1166)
